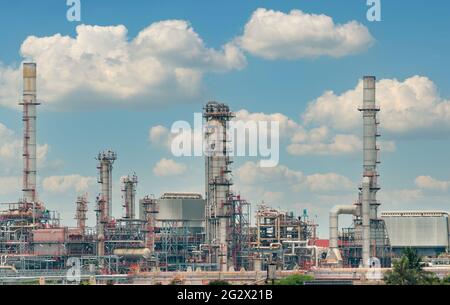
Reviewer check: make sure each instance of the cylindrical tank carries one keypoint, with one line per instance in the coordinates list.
(134, 253)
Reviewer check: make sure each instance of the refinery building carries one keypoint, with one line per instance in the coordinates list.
(208, 233)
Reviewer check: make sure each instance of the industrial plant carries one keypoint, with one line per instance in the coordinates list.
(199, 238)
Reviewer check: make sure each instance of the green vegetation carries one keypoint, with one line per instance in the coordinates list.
(446, 280)
(177, 281)
(408, 270)
(219, 283)
(294, 280)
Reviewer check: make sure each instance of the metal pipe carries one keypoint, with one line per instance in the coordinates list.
(366, 198)
(334, 253)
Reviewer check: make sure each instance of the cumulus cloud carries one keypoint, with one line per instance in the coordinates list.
(62, 184)
(276, 35)
(430, 183)
(340, 144)
(302, 140)
(11, 151)
(406, 106)
(159, 135)
(328, 182)
(401, 197)
(251, 174)
(167, 167)
(164, 61)
(10, 185)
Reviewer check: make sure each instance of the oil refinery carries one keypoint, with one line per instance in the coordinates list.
(204, 237)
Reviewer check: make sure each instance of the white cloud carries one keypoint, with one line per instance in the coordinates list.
(328, 182)
(10, 185)
(251, 174)
(430, 183)
(340, 144)
(159, 135)
(167, 167)
(401, 197)
(273, 35)
(411, 105)
(62, 184)
(11, 151)
(164, 61)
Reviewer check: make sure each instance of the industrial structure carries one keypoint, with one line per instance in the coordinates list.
(425, 231)
(367, 238)
(210, 232)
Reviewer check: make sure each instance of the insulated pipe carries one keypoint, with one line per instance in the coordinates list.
(366, 200)
(334, 224)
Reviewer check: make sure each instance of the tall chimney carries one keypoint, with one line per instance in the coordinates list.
(29, 132)
(370, 176)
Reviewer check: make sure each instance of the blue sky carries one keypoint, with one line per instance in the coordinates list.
(411, 40)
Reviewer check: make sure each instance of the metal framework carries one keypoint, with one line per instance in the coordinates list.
(240, 233)
(218, 181)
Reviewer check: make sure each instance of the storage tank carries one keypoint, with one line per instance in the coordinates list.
(134, 253)
(189, 207)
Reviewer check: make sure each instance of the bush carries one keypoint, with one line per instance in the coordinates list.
(177, 281)
(408, 270)
(219, 283)
(295, 280)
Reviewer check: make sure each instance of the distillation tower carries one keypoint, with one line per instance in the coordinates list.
(104, 200)
(218, 182)
(81, 213)
(129, 184)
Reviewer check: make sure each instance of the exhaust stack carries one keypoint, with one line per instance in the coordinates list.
(29, 104)
(369, 189)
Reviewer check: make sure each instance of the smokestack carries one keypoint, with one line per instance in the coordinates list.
(29, 132)
(370, 176)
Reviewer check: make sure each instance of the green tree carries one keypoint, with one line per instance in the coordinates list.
(294, 280)
(408, 270)
(219, 283)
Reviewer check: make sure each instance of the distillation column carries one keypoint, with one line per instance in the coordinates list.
(370, 176)
(81, 212)
(29, 132)
(217, 181)
(106, 160)
(129, 195)
(104, 201)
